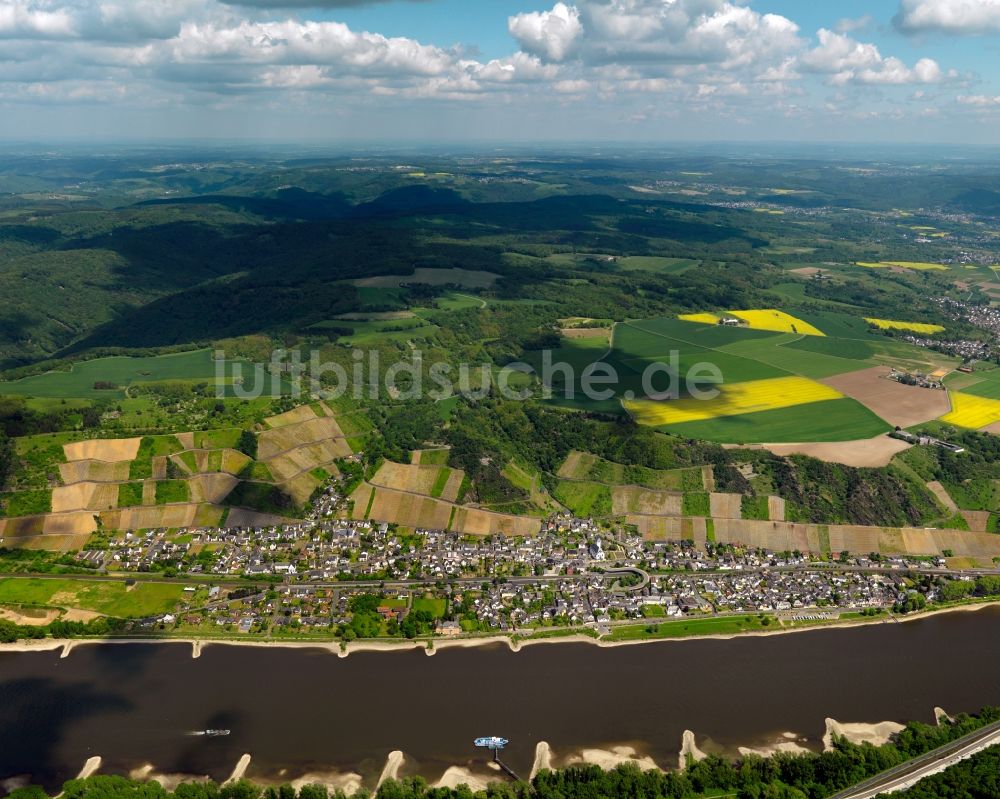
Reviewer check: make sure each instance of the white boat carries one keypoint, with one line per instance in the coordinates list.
(493, 742)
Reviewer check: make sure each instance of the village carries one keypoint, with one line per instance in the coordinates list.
(334, 577)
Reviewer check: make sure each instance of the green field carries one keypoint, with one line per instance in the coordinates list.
(716, 625)
(129, 495)
(26, 503)
(169, 491)
(79, 380)
(108, 598)
(988, 384)
(583, 498)
(436, 607)
(831, 420)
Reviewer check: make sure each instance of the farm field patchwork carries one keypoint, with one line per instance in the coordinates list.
(982, 384)
(176, 480)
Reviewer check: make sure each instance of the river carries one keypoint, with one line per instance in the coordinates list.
(300, 711)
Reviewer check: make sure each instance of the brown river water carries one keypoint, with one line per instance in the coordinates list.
(298, 711)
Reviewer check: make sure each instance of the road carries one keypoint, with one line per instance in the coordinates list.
(911, 772)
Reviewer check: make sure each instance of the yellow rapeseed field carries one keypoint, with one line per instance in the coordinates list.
(968, 410)
(916, 327)
(920, 265)
(733, 399)
(777, 321)
(703, 318)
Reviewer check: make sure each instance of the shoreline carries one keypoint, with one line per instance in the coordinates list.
(479, 775)
(514, 645)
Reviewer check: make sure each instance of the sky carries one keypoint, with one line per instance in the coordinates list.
(466, 71)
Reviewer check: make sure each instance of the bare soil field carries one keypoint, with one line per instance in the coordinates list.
(466, 278)
(876, 451)
(84, 496)
(943, 496)
(776, 536)
(29, 617)
(146, 518)
(361, 497)
(281, 439)
(103, 449)
(776, 509)
(978, 520)
(453, 485)
(159, 466)
(51, 543)
(295, 416)
(186, 439)
(93, 471)
(211, 488)
(307, 457)
(897, 404)
(726, 506)
(409, 509)
(779, 536)
(21, 527)
(418, 479)
(646, 501)
(993, 428)
(654, 528)
(75, 523)
(300, 487)
(149, 492)
(472, 521)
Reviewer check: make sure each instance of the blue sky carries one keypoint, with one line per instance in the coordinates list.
(498, 70)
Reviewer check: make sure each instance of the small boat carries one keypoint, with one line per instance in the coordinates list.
(493, 742)
(215, 733)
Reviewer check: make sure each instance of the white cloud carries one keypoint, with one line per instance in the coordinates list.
(847, 60)
(967, 17)
(978, 100)
(27, 19)
(547, 33)
(306, 43)
(656, 32)
(853, 25)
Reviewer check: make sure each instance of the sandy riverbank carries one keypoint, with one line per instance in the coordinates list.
(543, 759)
(240, 770)
(390, 771)
(198, 644)
(874, 734)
